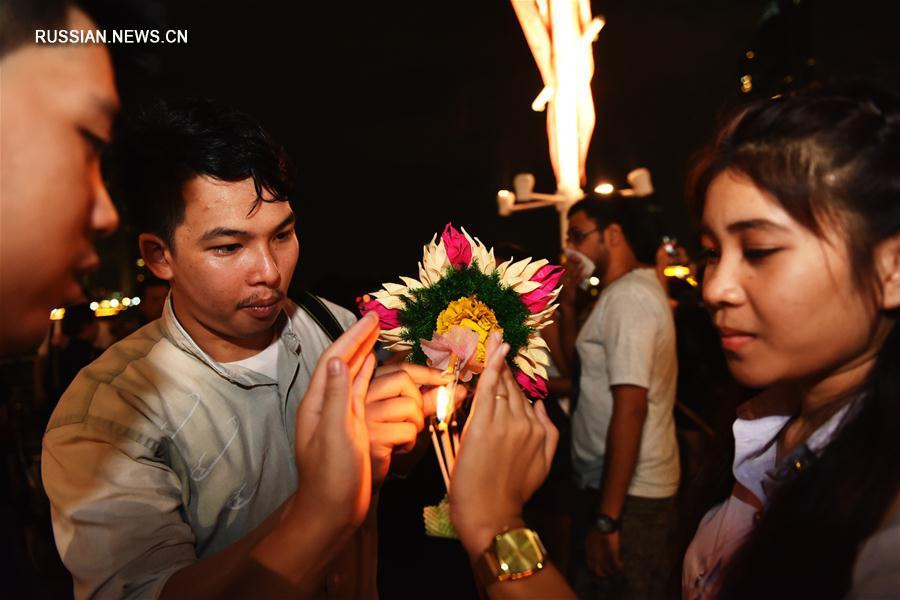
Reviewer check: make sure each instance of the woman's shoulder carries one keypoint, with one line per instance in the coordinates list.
(876, 573)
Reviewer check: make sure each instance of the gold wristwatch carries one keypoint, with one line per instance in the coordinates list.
(514, 554)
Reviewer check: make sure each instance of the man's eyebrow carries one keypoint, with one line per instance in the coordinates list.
(218, 232)
(288, 220)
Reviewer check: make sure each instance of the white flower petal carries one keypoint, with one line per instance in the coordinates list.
(515, 269)
(501, 268)
(533, 268)
(411, 283)
(536, 341)
(395, 289)
(524, 365)
(389, 300)
(526, 286)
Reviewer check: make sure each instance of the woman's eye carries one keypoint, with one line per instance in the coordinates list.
(756, 254)
(709, 255)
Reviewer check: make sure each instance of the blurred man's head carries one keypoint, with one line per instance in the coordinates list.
(210, 189)
(603, 229)
(58, 105)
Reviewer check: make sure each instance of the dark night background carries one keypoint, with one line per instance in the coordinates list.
(402, 116)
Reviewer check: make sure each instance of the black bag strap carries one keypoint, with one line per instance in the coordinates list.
(321, 314)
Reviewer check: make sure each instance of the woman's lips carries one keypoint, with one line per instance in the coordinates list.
(735, 340)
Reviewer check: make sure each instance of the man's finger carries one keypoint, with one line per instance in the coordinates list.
(357, 338)
(354, 338)
(363, 350)
(420, 374)
(399, 436)
(396, 410)
(361, 385)
(391, 385)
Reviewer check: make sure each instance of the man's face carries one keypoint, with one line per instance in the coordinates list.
(585, 236)
(58, 105)
(230, 268)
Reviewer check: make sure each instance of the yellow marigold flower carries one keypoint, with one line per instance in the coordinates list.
(471, 313)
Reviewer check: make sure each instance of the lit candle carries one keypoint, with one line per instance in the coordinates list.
(440, 458)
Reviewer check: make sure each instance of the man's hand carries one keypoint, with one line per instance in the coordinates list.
(602, 553)
(505, 454)
(396, 409)
(332, 441)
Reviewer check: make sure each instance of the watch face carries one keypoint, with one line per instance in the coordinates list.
(605, 524)
(519, 552)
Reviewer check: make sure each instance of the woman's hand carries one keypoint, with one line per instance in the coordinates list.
(505, 454)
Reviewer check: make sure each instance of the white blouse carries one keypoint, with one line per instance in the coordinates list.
(725, 526)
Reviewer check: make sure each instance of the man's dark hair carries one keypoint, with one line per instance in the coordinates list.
(20, 18)
(606, 211)
(168, 144)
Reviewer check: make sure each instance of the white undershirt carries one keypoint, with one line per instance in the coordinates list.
(265, 362)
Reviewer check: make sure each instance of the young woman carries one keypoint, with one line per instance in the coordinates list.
(800, 203)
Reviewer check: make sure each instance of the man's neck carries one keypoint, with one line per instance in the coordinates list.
(220, 347)
(619, 267)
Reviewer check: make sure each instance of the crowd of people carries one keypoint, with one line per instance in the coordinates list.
(235, 443)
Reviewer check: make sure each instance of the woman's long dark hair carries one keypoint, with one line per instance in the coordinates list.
(830, 155)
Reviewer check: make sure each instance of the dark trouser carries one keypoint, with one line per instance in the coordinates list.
(645, 537)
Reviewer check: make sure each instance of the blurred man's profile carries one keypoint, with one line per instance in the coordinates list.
(59, 101)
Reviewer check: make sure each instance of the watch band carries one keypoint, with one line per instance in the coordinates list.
(606, 524)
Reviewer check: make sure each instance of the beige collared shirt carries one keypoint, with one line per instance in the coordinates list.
(157, 456)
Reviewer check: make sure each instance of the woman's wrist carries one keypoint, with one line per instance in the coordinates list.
(477, 538)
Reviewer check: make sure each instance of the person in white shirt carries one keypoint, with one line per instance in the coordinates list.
(800, 205)
(624, 451)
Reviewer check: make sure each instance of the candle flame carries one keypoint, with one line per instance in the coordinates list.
(443, 404)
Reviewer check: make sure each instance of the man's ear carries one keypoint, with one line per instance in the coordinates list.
(887, 263)
(613, 234)
(157, 255)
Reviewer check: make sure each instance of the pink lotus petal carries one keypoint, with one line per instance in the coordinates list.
(389, 317)
(458, 249)
(536, 300)
(437, 351)
(459, 341)
(536, 388)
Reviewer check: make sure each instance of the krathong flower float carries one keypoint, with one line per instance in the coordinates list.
(461, 303)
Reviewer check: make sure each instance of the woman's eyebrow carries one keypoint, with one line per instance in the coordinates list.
(763, 224)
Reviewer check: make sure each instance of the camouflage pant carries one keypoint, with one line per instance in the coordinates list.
(647, 524)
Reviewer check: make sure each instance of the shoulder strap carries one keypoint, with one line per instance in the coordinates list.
(321, 314)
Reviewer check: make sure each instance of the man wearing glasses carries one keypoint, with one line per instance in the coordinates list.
(624, 452)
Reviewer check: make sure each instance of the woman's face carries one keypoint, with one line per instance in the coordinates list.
(784, 300)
